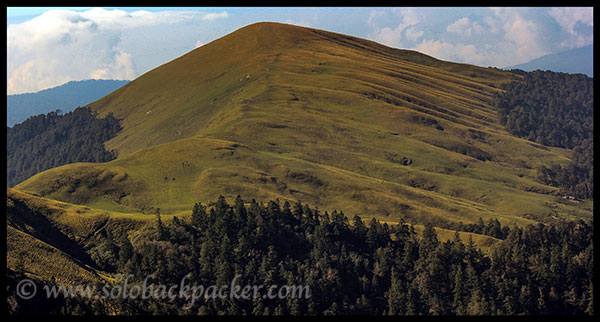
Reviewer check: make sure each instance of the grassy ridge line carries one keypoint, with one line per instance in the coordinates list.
(407, 55)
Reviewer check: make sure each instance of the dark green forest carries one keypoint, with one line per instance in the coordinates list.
(351, 267)
(46, 141)
(554, 109)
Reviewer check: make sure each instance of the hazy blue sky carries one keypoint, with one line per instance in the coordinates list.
(50, 46)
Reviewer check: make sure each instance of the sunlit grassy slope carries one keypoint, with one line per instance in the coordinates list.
(279, 111)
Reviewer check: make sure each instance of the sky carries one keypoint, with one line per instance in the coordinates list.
(47, 47)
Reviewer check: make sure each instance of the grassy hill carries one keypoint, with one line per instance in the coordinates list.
(279, 111)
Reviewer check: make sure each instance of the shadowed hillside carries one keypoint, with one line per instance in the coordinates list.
(59, 240)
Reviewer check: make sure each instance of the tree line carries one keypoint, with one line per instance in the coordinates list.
(50, 140)
(351, 267)
(554, 109)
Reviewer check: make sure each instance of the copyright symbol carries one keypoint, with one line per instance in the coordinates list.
(26, 289)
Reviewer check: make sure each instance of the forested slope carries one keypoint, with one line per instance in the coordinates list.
(554, 109)
(47, 141)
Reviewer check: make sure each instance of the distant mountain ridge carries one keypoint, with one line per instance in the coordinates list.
(575, 61)
(65, 97)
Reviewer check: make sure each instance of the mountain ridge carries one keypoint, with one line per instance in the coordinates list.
(65, 97)
(575, 61)
(274, 39)
(279, 111)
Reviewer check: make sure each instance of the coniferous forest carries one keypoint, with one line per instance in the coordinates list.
(51, 140)
(554, 109)
(351, 267)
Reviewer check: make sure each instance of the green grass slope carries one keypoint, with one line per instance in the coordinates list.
(278, 111)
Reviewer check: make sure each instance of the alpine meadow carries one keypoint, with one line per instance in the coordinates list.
(384, 180)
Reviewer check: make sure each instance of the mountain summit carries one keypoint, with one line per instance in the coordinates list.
(279, 111)
(178, 99)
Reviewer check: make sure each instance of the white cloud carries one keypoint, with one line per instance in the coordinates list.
(506, 36)
(413, 34)
(514, 36)
(492, 24)
(567, 18)
(436, 48)
(125, 66)
(452, 52)
(460, 26)
(373, 15)
(524, 36)
(464, 27)
(99, 73)
(214, 16)
(393, 37)
(304, 21)
(199, 44)
(62, 45)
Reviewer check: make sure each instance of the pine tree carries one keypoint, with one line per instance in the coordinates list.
(363, 306)
(199, 216)
(413, 303)
(240, 213)
(478, 305)
(396, 300)
(258, 306)
(162, 231)
(429, 242)
(459, 292)
(372, 236)
(481, 227)
(526, 306)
